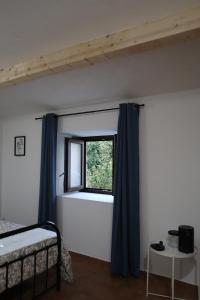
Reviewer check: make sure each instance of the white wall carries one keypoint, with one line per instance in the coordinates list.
(1, 149)
(20, 180)
(169, 171)
(170, 168)
(86, 225)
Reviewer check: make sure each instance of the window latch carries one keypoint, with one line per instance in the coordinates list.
(62, 174)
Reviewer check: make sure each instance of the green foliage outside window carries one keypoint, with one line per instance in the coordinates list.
(99, 157)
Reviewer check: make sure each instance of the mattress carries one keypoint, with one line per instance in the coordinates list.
(25, 243)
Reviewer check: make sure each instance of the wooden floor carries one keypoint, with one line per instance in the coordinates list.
(93, 281)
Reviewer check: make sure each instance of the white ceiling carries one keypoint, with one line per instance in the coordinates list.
(29, 28)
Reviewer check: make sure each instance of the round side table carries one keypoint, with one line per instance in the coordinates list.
(172, 253)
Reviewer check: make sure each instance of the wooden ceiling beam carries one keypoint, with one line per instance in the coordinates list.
(155, 34)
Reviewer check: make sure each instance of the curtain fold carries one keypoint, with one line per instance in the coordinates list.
(125, 252)
(47, 197)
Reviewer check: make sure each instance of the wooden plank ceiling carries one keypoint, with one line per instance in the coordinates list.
(150, 35)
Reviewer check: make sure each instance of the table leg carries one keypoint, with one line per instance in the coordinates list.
(147, 287)
(198, 270)
(172, 278)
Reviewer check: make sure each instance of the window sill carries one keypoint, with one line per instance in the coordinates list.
(89, 196)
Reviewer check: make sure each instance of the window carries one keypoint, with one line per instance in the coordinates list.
(89, 164)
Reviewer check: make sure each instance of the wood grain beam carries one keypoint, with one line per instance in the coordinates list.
(155, 34)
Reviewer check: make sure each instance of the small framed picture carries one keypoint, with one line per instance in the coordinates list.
(20, 146)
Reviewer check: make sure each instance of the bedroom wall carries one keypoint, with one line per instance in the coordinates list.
(86, 225)
(1, 148)
(20, 180)
(169, 170)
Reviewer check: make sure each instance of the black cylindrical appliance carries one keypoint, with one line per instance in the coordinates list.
(186, 239)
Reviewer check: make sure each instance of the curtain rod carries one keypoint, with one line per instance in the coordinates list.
(87, 112)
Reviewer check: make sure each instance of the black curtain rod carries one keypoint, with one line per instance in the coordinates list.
(87, 112)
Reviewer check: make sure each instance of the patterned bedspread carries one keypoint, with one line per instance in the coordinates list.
(14, 273)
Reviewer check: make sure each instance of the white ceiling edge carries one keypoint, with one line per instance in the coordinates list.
(112, 103)
(106, 105)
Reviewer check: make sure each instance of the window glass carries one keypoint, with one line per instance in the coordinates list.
(75, 168)
(99, 164)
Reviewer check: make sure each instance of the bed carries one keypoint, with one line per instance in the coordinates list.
(26, 252)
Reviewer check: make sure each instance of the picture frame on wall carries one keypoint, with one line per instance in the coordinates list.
(20, 146)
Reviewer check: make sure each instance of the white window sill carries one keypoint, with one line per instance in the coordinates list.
(89, 196)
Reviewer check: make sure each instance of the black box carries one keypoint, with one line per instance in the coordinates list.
(186, 239)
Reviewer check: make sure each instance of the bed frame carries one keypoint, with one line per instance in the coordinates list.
(50, 226)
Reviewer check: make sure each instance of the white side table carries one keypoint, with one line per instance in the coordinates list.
(172, 253)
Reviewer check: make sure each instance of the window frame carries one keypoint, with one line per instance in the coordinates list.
(84, 140)
(67, 167)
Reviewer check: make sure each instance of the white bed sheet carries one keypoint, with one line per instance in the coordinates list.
(24, 239)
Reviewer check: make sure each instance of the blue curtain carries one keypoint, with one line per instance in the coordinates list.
(47, 199)
(125, 253)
